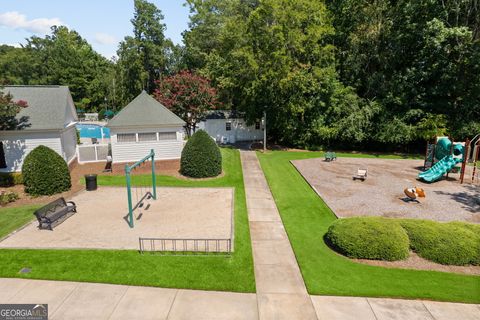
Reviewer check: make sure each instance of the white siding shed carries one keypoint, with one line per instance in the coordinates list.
(145, 124)
(49, 120)
(230, 127)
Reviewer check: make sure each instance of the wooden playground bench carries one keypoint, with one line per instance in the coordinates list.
(55, 213)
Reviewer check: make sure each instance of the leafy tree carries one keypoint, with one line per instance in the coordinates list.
(418, 59)
(143, 57)
(62, 58)
(8, 112)
(276, 56)
(188, 95)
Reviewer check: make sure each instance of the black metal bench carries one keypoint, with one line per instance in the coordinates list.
(55, 213)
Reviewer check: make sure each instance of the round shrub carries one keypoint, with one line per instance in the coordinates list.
(446, 243)
(369, 238)
(45, 172)
(201, 157)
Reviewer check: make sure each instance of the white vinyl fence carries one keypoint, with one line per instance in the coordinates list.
(92, 152)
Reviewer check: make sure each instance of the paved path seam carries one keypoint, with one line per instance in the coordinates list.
(371, 308)
(429, 312)
(118, 302)
(171, 306)
(64, 299)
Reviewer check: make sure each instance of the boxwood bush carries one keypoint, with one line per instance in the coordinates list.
(45, 172)
(201, 157)
(369, 238)
(452, 243)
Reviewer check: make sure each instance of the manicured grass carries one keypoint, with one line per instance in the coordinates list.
(306, 218)
(130, 267)
(13, 218)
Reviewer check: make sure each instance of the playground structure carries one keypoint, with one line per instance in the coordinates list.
(142, 188)
(444, 156)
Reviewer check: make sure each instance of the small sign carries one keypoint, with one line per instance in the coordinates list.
(23, 311)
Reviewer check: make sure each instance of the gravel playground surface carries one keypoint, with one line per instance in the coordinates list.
(99, 222)
(381, 194)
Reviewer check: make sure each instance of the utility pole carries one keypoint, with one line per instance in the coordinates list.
(264, 131)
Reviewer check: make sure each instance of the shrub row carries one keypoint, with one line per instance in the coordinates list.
(453, 243)
(8, 179)
(369, 238)
(201, 157)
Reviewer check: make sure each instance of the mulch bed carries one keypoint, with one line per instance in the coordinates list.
(414, 261)
(77, 171)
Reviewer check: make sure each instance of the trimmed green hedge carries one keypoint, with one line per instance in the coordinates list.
(201, 157)
(369, 238)
(8, 179)
(453, 243)
(446, 243)
(45, 172)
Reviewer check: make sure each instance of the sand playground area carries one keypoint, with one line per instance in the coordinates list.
(177, 213)
(381, 194)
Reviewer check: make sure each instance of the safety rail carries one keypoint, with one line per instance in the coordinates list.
(169, 245)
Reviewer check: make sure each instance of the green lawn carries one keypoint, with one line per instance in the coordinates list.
(306, 218)
(14, 218)
(130, 267)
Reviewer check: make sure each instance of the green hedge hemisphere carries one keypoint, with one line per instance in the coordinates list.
(45, 172)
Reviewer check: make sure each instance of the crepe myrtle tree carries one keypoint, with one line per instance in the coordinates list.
(8, 111)
(188, 95)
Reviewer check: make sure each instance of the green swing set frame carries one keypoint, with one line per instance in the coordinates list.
(153, 194)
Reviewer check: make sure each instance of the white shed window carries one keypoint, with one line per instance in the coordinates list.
(147, 136)
(228, 126)
(257, 125)
(167, 136)
(126, 137)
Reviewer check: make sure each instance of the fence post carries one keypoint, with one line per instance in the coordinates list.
(129, 195)
(154, 178)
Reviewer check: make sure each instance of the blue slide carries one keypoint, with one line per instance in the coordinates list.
(442, 167)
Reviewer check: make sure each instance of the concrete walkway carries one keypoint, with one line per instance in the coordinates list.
(281, 291)
(76, 300)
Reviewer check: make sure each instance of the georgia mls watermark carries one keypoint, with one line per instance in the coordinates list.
(23, 311)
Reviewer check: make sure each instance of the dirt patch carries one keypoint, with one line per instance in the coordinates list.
(414, 261)
(381, 194)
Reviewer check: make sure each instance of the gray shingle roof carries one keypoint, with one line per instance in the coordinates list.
(48, 108)
(145, 111)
